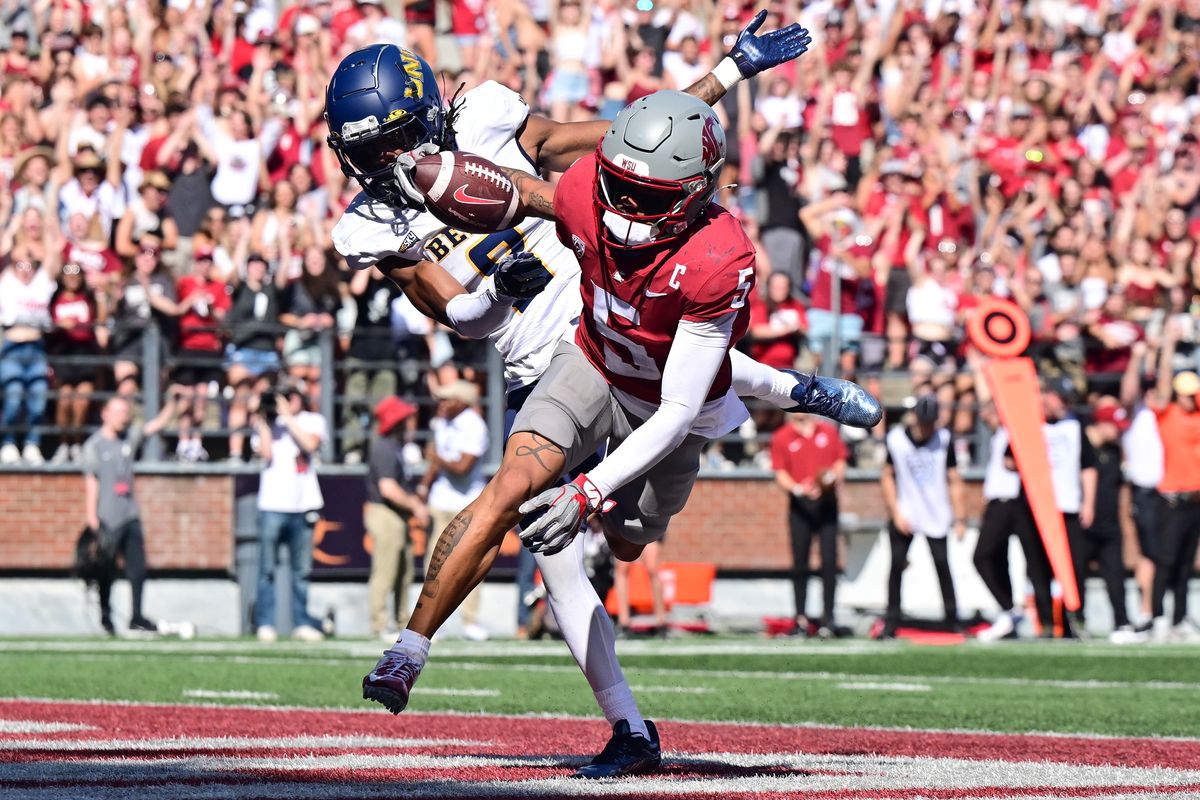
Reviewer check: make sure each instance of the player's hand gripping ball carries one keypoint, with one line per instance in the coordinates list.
(520, 276)
(467, 192)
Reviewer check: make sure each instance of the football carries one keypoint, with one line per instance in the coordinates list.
(467, 192)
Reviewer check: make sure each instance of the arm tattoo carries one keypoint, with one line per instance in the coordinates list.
(533, 192)
(708, 89)
(543, 444)
(445, 546)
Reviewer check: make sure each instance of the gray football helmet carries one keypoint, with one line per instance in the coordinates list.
(657, 169)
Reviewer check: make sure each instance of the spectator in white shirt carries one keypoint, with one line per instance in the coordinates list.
(289, 504)
(455, 474)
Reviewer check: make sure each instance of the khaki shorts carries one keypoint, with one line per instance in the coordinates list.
(573, 406)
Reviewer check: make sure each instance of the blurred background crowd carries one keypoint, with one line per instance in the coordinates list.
(162, 165)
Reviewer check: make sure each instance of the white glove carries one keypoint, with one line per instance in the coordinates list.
(402, 171)
(566, 509)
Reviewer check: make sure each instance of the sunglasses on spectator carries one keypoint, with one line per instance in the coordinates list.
(23, 266)
(161, 58)
(71, 269)
(148, 251)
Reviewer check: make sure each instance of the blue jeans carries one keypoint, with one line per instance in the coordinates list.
(295, 532)
(23, 376)
(820, 330)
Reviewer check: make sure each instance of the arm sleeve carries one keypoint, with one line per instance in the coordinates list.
(699, 350)
(477, 314)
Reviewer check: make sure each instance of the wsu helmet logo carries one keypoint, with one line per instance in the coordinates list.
(710, 146)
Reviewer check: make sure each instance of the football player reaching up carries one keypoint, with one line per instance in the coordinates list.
(665, 286)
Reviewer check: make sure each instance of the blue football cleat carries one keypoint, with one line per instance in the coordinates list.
(841, 401)
(626, 753)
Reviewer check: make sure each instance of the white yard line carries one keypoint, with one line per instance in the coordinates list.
(205, 743)
(885, 687)
(460, 692)
(366, 709)
(37, 726)
(674, 689)
(795, 773)
(232, 694)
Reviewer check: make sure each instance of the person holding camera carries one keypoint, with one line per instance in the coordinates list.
(287, 438)
(110, 507)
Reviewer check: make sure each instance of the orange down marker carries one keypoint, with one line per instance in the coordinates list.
(1001, 330)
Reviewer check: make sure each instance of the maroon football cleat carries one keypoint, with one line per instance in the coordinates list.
(391, 681)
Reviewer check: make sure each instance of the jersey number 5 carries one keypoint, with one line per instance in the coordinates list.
(639, 364)
(743, 287)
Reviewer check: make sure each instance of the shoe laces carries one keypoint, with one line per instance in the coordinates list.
(622, 745)
(397, 667)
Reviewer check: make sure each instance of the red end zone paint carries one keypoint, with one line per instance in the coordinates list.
(218, 752)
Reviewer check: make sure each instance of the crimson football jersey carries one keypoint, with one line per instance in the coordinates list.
(630, 317)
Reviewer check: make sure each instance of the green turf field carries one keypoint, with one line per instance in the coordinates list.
(1053, 686)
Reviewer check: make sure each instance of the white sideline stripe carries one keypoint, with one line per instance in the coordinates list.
(476, 666)
(461, 692)
(501, 649)
(729, 723)
(886, 687)
(232, 743)
(812, 772)
(37, 726)
(232, 694)
(674, 689)
(563, 669)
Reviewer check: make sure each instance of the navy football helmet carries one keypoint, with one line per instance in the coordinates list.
(383, 101)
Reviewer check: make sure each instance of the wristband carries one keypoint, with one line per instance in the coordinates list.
(727, 73)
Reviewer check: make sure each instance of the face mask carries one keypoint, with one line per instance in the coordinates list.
(626, 231)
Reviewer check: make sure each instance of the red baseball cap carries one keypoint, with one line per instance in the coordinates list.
(391, 411)
(1114, 414)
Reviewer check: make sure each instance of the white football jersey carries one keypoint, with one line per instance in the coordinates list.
(487, 125)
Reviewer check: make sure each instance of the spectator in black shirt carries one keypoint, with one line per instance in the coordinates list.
(371, 358)
(776, 171)
(391, 505)
(1101, 541)
(253, 321)
(307, 307)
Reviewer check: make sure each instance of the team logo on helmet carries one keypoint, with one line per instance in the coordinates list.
(412, 68)
(710, 149)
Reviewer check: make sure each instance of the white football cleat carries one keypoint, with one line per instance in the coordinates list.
(1004, 626)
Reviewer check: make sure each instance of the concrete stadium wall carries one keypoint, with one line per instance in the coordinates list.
(736, 523)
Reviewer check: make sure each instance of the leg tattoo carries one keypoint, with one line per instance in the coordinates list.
(542, 444)
(445, 546)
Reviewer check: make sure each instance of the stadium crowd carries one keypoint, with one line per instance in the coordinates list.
(164, 165)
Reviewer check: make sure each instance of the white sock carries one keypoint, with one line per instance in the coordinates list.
(752, 379)
(588, 632)
(617, 703)
(413, 645)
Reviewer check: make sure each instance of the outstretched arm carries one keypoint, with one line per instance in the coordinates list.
(536, 194)
(558, 145)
